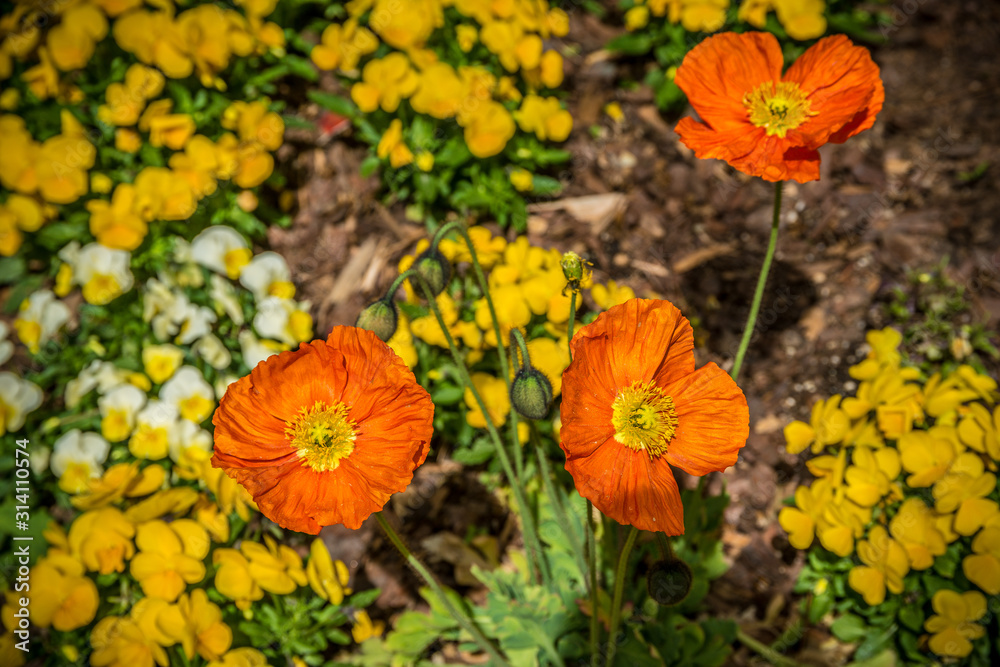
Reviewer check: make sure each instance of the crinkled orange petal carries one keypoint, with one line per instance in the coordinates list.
(285, 383)
(713, 421)
(644, 337)
(719, 71)
(844, 89)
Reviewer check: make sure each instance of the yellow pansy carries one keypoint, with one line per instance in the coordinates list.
(611, 295)
(926, 457)
(61, 595)
(119, 408)
(326, 576)
(364, 628)
(102, 540)
(488, 129)
(196, 624)
(522, 180)
(343, 45)
(391, 146)
(275, 567)
(161, 361)
(176, 501)
(119, 481)
(885, 565)
(384, 83)
(953, 626)
(872, 474)
(914, 527)
(828, 426)
(800, 521)
(493, 391)
(982, 567)
(170, 557)
(229, 494)
(243, 657)
(489, 248)
(979, 430)
(841, 524)
(232, 578)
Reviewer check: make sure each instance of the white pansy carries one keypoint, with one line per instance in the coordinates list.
(256, 350)
(284, 320)
(221, 249)
(102, 273)
(190, 393)
(40, 317)
(102, 375)
(119, 409)
(211, 349)
(266, 275)
(195, 322)
(190, 444)
(6, 347)
(77, 458)
(153, 425)
(223, 294)
(17, 398)
(40, 459)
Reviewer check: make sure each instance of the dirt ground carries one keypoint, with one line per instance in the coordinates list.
(892, 200)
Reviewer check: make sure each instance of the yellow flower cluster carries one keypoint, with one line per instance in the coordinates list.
(512, 31)
(801, 19)
(879, 449)
(200, 40)
(694, 15)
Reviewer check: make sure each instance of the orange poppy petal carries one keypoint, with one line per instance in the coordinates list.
(644, 337)
(244, 429)
(718, 72)
(844, 89)
(284, 383)
(713, 421)
(630, 488)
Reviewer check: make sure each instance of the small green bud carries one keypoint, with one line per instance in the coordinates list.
(572, 266)
(669, 581)
(435, 269)
(531, 393)
(380, 318)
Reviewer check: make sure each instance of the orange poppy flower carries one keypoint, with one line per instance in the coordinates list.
(769, 125)
(326, 433)
(633, 405)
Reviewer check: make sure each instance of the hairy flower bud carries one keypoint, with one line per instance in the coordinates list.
(380, 318)
(531, 393)
(434, 268)
(669, 581)
(572, 266)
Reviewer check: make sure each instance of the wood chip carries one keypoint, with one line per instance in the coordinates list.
(702, 255)
(596, 210)
(347, 281)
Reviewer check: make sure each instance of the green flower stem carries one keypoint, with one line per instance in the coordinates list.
(395, 286)
(595, 637)
(764, 650)
(460, 617)
(761, 282)
(616, 602)
(572, 321)
(517, 338)
(530, 530)
(562, 517)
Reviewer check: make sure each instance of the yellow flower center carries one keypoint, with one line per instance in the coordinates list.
(323, 435)
(644, 418)
(777, 107)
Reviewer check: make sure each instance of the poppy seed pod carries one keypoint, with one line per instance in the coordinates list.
(669, 581)
(434, 268)
(531, 393)
(380, 318)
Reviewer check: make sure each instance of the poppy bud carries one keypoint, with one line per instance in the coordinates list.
(531, 393)
(572, 266)
(434, 268)
(380, 318)
(669, 581)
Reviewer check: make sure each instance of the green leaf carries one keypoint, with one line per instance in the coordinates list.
(447, 394)
(57, 234)
(300, 66)
(849, 628)
(633, 44)
(334, 103)
(11, 269)
(481, 451)
(912, 616)
(545, 185)
(365, 598)
(369, 165)
(875, 643)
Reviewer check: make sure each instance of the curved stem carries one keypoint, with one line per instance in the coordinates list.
(572, 321)
(530, 530)
(764, 650)
(517, 337)
(460, 617)
(761, 282)
(481, 277)
(616, 602)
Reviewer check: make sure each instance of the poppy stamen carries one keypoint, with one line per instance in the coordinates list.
(322, 435)
(644, 418)
(777, 107)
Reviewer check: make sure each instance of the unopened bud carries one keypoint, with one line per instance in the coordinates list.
(380, 318)
(531, 393)
(669, 581)
(434, 268)
(572, 266)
